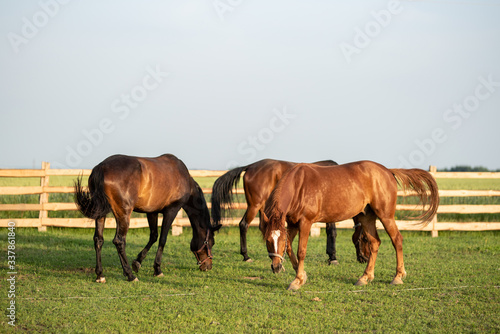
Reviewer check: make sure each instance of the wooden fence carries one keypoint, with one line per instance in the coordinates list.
(44, 206)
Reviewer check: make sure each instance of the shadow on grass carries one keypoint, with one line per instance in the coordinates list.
(62, 253)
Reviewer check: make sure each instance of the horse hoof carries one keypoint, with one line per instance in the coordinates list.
(293, 286)
(249, 260)
(136, 266)
(304, 280)
(135, 280)
(396, 281)
(334, 262)
(159, 275)
(101, 280)
(361, 282)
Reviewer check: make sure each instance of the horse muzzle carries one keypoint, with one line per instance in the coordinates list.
(277, 268)
(206, 265)
(277, 265)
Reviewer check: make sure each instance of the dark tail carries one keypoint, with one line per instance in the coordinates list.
(92, 203)
(222, 192)
(424, 185)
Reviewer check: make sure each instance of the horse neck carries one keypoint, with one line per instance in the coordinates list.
(280, 199)
(197, 211)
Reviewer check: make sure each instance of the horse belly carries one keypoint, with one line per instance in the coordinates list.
(154, 202)
(342, 206)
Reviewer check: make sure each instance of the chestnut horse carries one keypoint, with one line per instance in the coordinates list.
(123, 184)
(364, 190)
(259, 180)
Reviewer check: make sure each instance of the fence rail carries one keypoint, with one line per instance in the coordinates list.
(44, 206)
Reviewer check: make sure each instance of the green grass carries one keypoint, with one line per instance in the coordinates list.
(468, 184)
(452, 286)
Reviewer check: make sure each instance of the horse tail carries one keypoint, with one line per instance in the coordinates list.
(92, 203)
(424, 184)
(222, 192)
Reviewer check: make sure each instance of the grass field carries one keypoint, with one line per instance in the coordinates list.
(452, 286)
(452, 283)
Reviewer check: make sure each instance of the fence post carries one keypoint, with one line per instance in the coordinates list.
(315, 230)
(434, 232)
(44, 196)
(177, 229)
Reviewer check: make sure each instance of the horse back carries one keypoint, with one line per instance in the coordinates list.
(262, 176)
(336, 193)
(146, 184)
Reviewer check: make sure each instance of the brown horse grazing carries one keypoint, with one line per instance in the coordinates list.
(364, 190)
(259, 180)
(123, 184)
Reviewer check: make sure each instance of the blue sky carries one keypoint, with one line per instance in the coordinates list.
(221, 83)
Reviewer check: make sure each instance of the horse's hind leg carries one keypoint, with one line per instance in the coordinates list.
(331, 236)
(168, 218)
(98, 242)
(153, 236)
(368, 221)
(120, 241)
(248, 217)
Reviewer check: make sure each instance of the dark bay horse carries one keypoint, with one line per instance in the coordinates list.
(259, 180)
(364, 190)
(122, 184)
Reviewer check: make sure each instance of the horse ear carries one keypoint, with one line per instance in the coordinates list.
(264, 218)
(216, 227)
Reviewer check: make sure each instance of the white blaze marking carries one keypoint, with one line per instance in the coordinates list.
(275, 235)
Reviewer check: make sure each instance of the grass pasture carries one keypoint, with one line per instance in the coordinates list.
(452, 286)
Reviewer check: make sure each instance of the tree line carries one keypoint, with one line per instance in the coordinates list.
(465, 168)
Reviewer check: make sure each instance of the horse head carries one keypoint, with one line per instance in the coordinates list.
(276, 246)
(276, 237)
(362, 244)
(201, 247)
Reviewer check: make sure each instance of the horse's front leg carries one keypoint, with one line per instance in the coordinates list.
(368, 225)
(168, 218)
(120, 241)
(301, 276)
(292, 232)
(153, 236)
